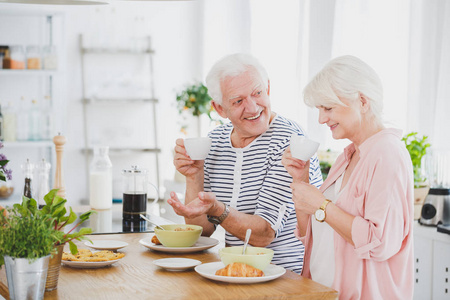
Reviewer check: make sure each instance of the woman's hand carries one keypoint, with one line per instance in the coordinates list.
(307, 198)
(298, 169)
(183, 163)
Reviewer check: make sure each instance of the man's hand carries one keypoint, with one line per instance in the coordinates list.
(184, 164)
(298, 169)
(204, 204)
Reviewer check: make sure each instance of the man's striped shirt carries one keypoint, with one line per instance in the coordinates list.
(252, 180)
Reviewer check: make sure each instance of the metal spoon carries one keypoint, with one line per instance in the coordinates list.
(148, 220)
(247, 238)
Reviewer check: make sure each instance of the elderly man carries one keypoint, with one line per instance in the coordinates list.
(242, 183)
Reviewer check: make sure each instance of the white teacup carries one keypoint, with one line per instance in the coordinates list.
(197, 148)
(302, 147)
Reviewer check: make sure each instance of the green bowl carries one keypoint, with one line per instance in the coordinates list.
(256, 257)
(171, 238)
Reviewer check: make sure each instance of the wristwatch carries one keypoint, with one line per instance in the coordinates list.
(320, 214)
(219, 219)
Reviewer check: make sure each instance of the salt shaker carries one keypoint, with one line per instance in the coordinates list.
(100, 179)
(43, 171)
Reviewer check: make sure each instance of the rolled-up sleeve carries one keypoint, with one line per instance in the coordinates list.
(378, 233)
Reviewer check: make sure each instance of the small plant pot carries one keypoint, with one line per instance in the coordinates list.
(26, 280)
(54, 266)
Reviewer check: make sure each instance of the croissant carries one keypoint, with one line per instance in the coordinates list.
(240, 270)
(155, 240)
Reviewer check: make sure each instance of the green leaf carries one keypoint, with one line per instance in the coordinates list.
(73, 248)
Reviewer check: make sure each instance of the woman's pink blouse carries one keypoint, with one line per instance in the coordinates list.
(379, 194)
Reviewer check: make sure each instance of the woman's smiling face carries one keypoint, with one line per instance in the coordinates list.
(246, 103)
(343, 121)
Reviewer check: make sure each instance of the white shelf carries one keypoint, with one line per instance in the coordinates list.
(122, 150)
(28, 144)
(28, 72)
(119, 100)
(116, 51)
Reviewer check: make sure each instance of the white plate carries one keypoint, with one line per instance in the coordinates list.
(209, 271)
(203, 243)
(106, 244)
(177, 263)
(88, 264)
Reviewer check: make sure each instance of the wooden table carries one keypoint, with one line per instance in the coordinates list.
(135, 276)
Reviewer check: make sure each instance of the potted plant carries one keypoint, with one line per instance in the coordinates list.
(25, 246)
(195, 100)
(417, 148)
(55, 208)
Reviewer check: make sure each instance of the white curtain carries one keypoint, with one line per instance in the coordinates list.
(429, 71)
(266, 28)
(374, 30)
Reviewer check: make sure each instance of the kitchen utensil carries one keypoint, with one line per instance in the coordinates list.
(148, 220)
(247, 238)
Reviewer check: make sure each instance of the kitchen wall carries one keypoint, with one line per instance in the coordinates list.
(173, 27)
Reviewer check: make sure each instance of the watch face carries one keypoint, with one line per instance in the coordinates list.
(320, 215)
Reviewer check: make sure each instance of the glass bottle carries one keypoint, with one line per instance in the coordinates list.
(100, 179)
(43, 172)
(9, 123)
(34, 130)
(46, 119)
(22, 120)
(27, 169)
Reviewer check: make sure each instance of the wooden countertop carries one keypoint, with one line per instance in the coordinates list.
(137, 277)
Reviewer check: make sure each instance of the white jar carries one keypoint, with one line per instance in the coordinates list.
(100, 179)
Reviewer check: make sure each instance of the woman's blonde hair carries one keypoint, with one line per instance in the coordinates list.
(345, 77)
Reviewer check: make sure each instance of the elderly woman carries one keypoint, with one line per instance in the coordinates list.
(357, 228)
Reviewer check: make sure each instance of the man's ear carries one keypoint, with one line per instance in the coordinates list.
(219, 109)
(268, 87)
(364, 103)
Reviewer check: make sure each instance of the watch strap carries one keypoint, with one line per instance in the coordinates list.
(324, 204)
(221, 218)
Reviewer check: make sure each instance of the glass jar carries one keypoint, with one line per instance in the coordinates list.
(33, 58)
(100, 179)
(50, 58)
(16, 59)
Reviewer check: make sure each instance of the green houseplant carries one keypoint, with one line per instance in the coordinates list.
(194, 100)
(26, 242)
(30, 236)
(417, 148)
(55, 209)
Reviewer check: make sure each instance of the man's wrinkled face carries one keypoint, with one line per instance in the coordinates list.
(246, 103)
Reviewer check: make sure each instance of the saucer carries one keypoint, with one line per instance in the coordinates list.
(176, 263)
(106, 244)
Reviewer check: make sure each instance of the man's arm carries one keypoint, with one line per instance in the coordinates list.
(193, 187)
